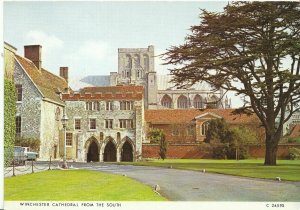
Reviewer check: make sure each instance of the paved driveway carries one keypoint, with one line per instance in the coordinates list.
(183, 185)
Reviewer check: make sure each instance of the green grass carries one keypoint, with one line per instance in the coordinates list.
(285, 169)
(76, 185)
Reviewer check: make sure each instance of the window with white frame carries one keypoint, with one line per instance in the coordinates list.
(108, 123)
(77, 123)
(69, 139)
(92, 124)
(109, 105)
(204, 128)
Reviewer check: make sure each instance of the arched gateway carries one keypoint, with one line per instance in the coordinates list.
(93, 152)
(127, 152)
(110, 152)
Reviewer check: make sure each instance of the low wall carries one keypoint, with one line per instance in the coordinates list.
(193, 151)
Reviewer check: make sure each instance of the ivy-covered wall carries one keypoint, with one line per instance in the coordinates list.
(9, 120)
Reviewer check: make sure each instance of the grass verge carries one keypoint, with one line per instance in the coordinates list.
(285, 169)
(76, 185)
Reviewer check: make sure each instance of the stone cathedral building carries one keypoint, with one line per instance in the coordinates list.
(136, 67)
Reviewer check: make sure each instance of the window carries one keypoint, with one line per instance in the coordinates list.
(19, 92)
(118, 137)
(136, 61)
(96, 106)
(18, 125)
(101, 136)
(77, 124)
(198, 103)
(92, 124)
(166, 101)
(182, 102)
(69, 139)
(126, 123)
(57, 114)
(204, 128)
(89, 105)
(191, 130)
(109, 123)
(109, 105)
(126, 105)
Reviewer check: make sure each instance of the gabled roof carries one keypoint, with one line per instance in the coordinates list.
(174, 116)
(295, 131)
(208, 115)
(46, 82)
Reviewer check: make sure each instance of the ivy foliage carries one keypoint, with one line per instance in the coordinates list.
(9, 120)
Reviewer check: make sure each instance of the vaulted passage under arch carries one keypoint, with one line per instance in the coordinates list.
(110, 152)
(93, 153)
(127, 154)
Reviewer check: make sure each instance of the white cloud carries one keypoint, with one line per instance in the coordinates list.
(47, 41)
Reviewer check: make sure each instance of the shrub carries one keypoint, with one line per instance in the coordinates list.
(219, 150)
(294, 140)
(33, 143)
(163, 147)
(294, 153)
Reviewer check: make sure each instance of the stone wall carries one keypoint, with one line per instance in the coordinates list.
(30, 107)
(50, 127)
(202, 151)
(83, 137)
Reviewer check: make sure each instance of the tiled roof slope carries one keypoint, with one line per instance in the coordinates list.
(173, 116)
(46, 82)
(113, 89)
(295, 131)
(107, 93)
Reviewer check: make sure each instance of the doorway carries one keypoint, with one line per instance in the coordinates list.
(110, 152)
(93, 152)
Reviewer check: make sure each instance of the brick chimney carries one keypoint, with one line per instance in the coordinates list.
(64, 72)
(34, 53)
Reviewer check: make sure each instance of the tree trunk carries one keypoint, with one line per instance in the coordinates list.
(271, 150)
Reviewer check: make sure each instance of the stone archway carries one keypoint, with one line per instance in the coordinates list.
(127, 152)
(110, 152)
(93, 152)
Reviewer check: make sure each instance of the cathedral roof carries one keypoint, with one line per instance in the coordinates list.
(175, 116)
(163, 83)
(47, 83)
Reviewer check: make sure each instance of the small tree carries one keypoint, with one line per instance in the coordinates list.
(163, 145)
(157, 136)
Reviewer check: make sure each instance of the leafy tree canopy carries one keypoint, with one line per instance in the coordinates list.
(252, 48)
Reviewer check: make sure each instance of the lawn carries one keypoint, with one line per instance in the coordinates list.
(285, 169)
(76, 185)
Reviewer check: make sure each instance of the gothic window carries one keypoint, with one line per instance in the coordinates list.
(57, 114)
(69, 139)
(128, 62)
(92, 124)
(136, 61)
(204, 128)
(19, 92)
(166, 101)
(18, 125)
(198, 102)
(182, 102)
(77, 124)
(146, 62)
(213, 102)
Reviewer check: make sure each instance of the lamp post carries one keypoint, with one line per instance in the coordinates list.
(64, 121)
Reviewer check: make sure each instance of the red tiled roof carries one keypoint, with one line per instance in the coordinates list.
(107, 93)
(175, 116)
(46, 82)
(295, 131)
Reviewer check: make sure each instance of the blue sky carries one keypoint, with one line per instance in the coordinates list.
(85, 36)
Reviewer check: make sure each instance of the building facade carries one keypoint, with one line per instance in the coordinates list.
(105, 124)
(39, 105)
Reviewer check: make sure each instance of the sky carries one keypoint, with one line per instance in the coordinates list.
(85, 36)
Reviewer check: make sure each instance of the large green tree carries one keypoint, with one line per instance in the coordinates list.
(252, 48)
